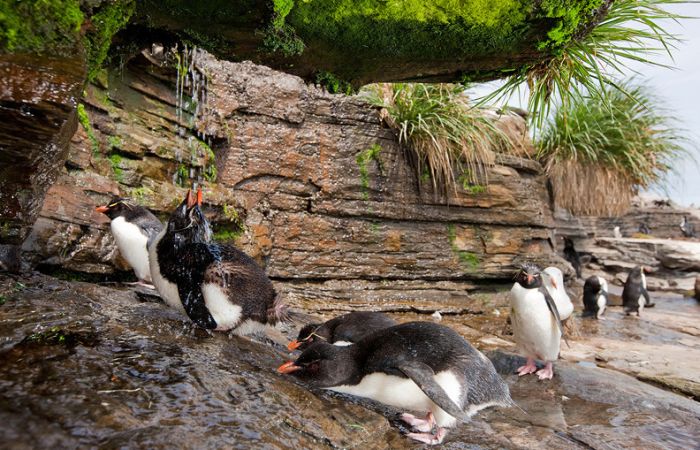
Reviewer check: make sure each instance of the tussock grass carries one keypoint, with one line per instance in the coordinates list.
(600, 151)
(623, 31)
(446, 140)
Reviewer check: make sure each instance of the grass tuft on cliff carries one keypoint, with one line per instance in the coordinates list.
(621, 31)
(445, 138)
(601, 150)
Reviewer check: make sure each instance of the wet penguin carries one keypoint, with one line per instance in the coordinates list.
(217, 286)
(133, 227)
(595, 296)
(634, 295)
(571, 255)
(555, 285)
(419, 366)
(537, 327)
(342, 330)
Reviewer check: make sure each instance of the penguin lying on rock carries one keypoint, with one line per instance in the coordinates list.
(634, 295)
(342, 330)
(217, 286)
(595, 296)
(133, 227)
(537, 327)
(420, 366)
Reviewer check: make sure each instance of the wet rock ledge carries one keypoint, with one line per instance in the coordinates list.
(85, 365)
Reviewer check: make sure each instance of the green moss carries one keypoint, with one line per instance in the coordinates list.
(3, 300)
(52, 336)
(182, 176)
(84, 120)
(116, 161)
(363, 159)
(227, 234)
(114, 141)
(112, 17)
(468, 186)
(333, 84)
(231, 213)
(467, 259)
(40, 26)
(140, 194)
(568, 18)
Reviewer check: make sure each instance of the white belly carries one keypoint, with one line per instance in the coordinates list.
(167, 290)
(226, 314)
(132, 246)
(601, 305)
(534, 328)
(404, 393)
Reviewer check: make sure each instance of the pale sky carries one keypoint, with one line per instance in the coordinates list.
(680, 91)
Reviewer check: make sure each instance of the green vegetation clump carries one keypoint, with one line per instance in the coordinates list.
(589, 45)
(443, 134)
(40, 26)
(52, 336)
(600, 151)
(363, 159)
(84, 120)
(468, 259)
(110, 18)
(231, 231)
(333, 84)
(116, 161)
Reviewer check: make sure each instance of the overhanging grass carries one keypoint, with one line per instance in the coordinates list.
(445, 138)
(627, 31)
(601, 150)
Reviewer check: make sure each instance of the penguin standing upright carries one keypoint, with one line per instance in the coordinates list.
(133, 228)
(634, 295)
(342, 330)
(687, 228)
(218, 286)
(595, 296)
(555, 285)
(537, 327)
(419, 366)
(571, 255)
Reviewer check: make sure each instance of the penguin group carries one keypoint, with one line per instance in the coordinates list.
(416, 366)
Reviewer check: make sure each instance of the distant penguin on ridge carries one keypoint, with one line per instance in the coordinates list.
(342, 330)
(418, 366)
(571, 255)
(133, 228)
(595, 296)
(634, 295)
(687, 228)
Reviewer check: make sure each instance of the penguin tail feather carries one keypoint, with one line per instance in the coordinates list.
(279, 312)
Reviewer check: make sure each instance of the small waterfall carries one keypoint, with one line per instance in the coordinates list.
(191, 92)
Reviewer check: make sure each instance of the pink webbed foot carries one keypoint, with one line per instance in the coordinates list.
(529, 367)
(547, 373)
(428, 438)
(423, 425)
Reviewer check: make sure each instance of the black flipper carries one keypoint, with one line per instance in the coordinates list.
(193, 302)
(647, 299)
(422, 375)
(555, 312)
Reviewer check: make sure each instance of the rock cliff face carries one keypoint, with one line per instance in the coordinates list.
(296, 186)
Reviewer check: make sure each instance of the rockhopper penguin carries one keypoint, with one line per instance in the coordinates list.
(634, 295)
(537, 327)
(595, 296)
(419, 366)
(217, 286)
(133, 228)
(555, 286)
(571, 255)
(342, 330)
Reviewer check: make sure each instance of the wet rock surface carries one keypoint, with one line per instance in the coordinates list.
(85, 365)
(289, 189)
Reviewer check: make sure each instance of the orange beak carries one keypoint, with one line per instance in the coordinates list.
(190, 199)
(529, 278)
(199, 196)
(288, 367)
(293, 345)
(554, 284)
(102, 209)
